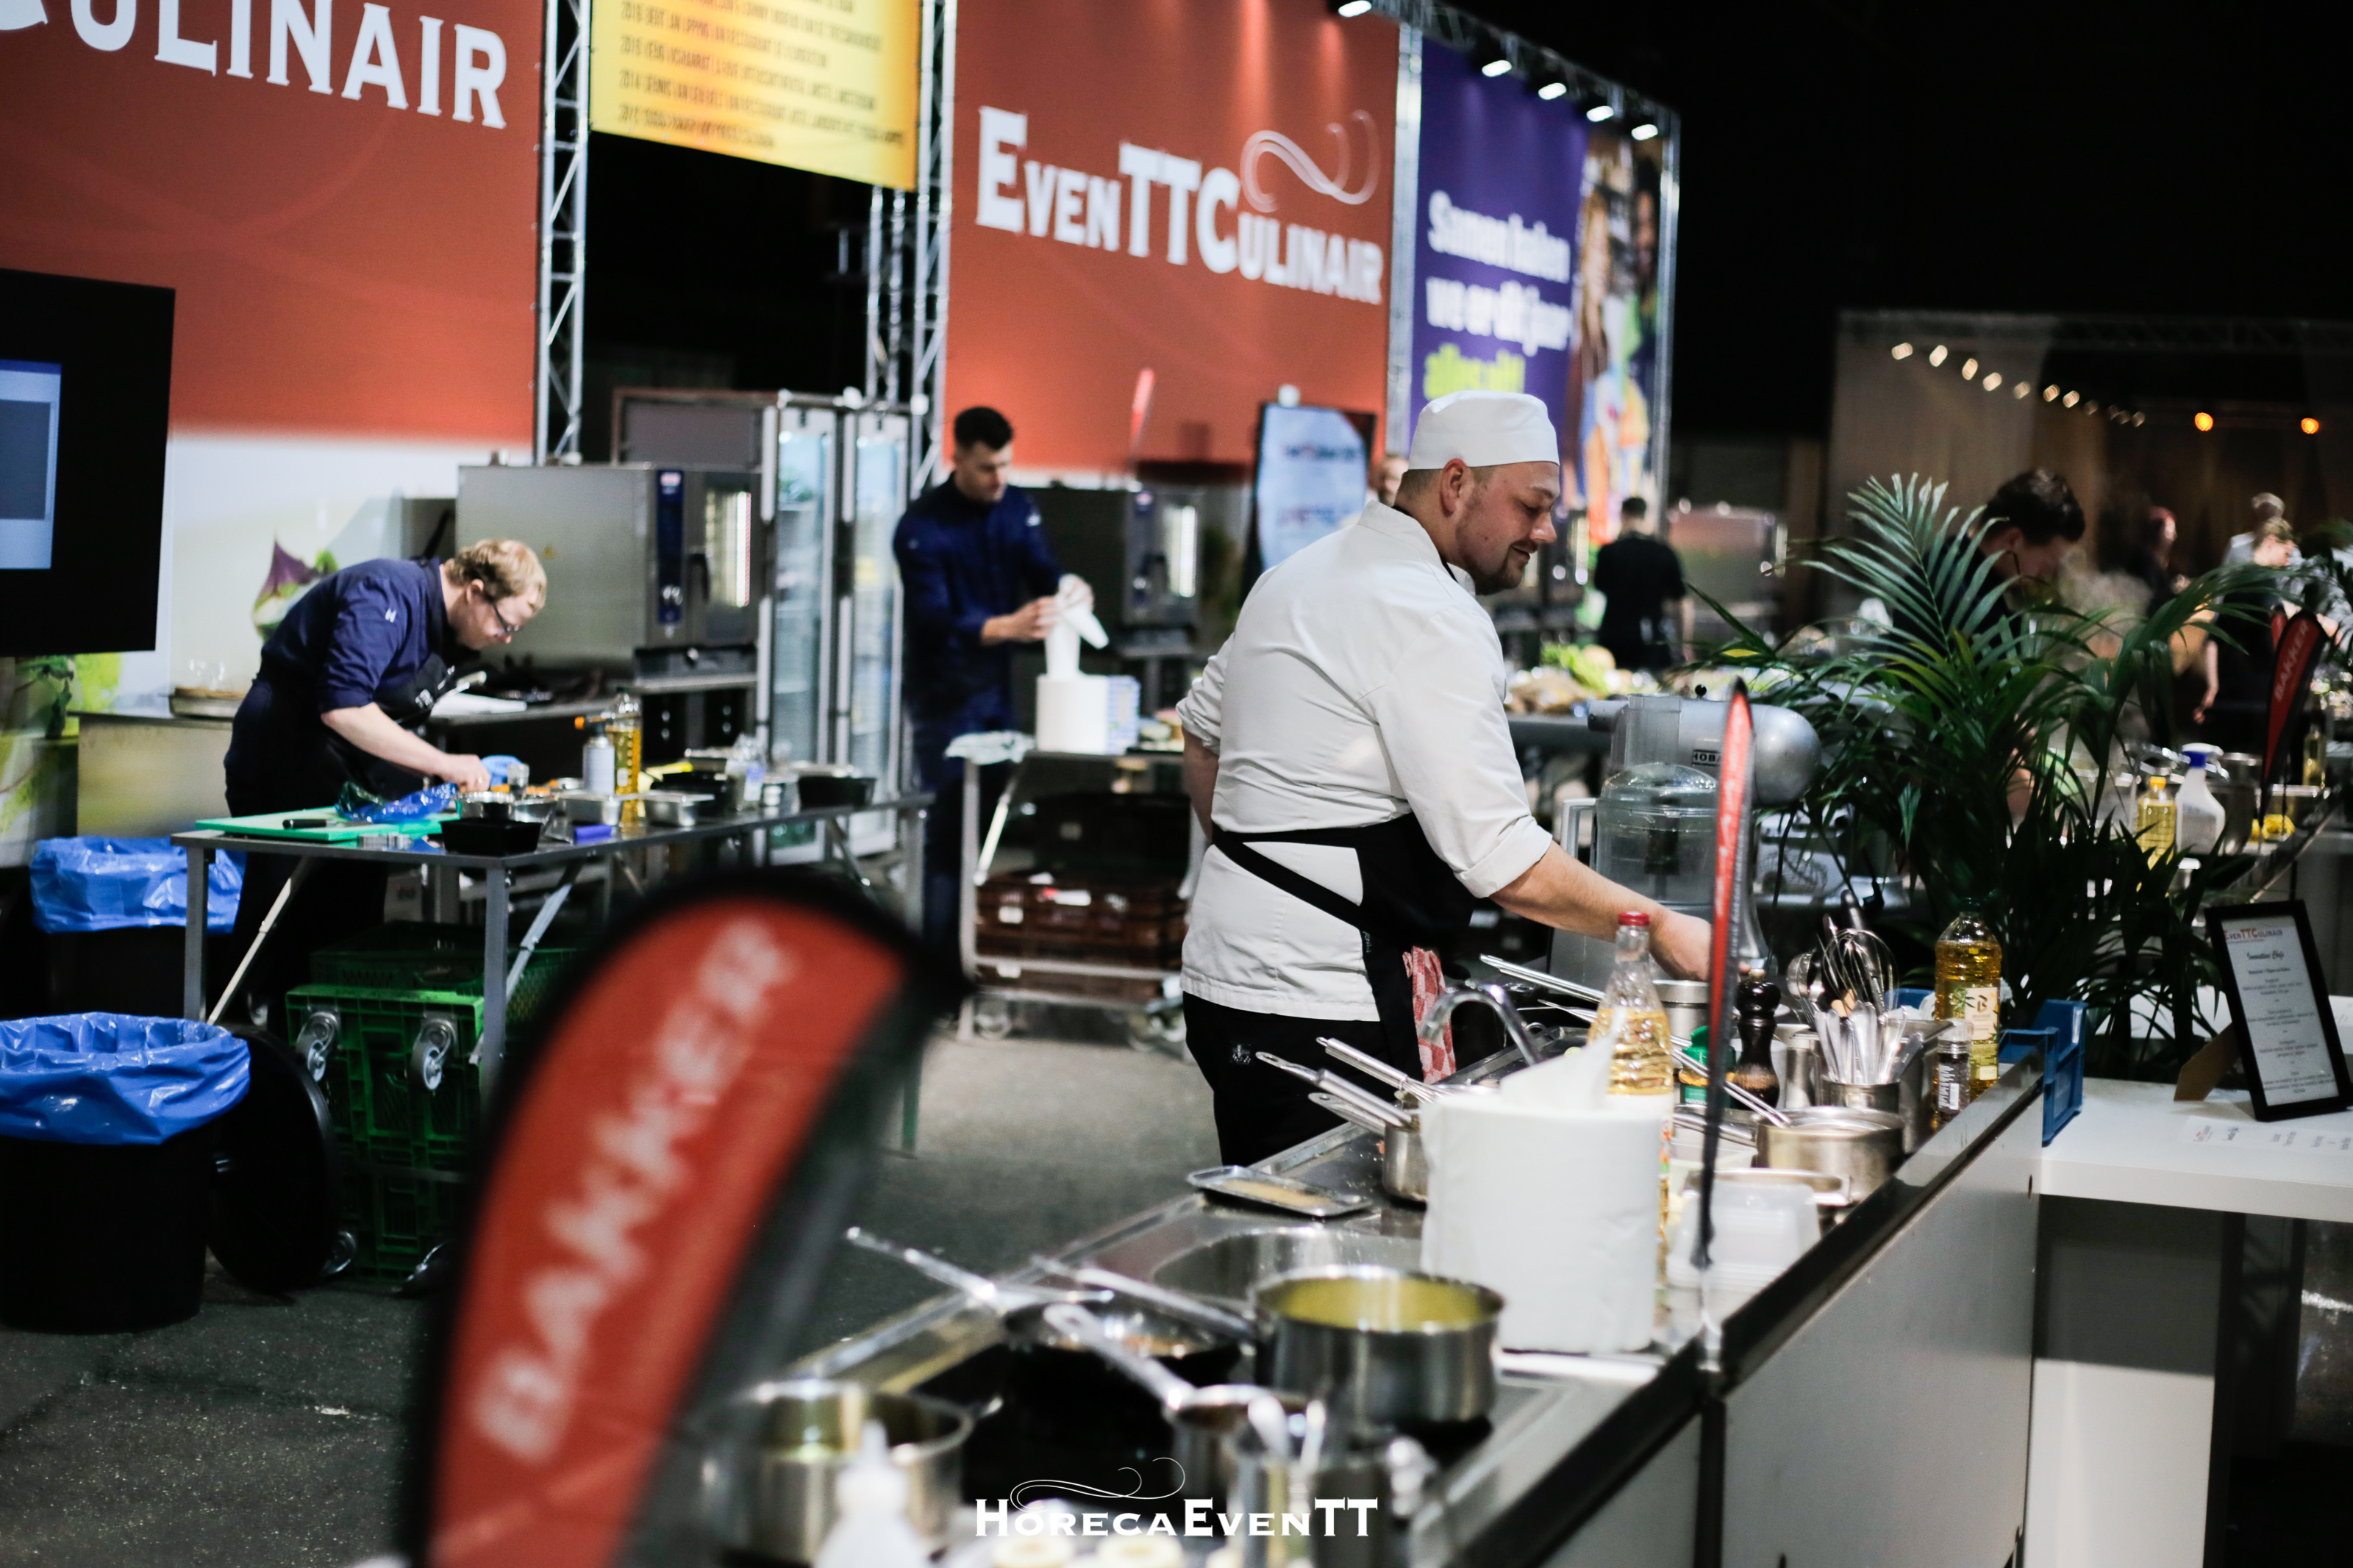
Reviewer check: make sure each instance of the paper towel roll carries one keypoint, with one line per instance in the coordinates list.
(1553, 1202)
(1074, 713)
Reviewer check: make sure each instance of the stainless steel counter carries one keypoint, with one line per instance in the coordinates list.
(1918, 1304)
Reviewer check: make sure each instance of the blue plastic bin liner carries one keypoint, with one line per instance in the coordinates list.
(110, 1077)
(433, 800)
(109, 884)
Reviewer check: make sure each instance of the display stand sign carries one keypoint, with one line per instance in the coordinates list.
(2271, 972)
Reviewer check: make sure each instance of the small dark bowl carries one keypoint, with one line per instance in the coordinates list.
(480, 835)
(819, 790)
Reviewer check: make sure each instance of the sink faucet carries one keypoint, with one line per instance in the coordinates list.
(1491, 994)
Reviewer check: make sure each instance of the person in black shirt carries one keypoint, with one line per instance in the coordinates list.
(1638, 576)
(2152, 556)
(2235, 713)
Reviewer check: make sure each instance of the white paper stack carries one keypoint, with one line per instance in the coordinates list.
(1547, 1192)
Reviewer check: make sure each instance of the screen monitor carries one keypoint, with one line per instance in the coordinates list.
(1311, 477)
(84, 405)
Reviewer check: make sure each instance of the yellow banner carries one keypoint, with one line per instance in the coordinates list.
(826, 85)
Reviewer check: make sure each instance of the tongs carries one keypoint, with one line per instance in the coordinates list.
(1333, 1084)
(1373, 1067)
(994, 1294)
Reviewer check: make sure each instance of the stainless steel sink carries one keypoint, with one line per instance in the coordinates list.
(1229, 1267)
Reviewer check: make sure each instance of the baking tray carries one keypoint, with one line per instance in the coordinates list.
(1285, 1194)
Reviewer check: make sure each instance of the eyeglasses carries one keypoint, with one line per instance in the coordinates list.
(507, 628)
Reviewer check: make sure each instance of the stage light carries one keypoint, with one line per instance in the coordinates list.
(1994, 380)
(1936, 354)
(2070, 400)
(2309, 426)
(2091, 408)
(1645, 127)
(1599, 109)
(2020, 388)
(1901, 350)
(1489, 57)
(2140, 419)
(2203, 420)
(2050, 393)
(1550, 79)
(1969, 368)
(1549, 90)
(1346, 8)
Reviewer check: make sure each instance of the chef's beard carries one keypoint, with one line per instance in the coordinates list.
(1504, 577)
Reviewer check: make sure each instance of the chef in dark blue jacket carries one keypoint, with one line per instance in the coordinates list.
(979, 577)
(346, 681)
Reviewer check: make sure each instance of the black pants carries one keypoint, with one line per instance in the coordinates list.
(337, 900)
(1262, 1110)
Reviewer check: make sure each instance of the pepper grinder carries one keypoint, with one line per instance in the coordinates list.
(1756, 1001)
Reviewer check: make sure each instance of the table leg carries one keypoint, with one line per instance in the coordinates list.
(192, 959)
(268, 923)
(495, 890)
(546, 917)
(969, 859)
(919, 827)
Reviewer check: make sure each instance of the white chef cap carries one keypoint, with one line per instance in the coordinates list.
(1483, 428)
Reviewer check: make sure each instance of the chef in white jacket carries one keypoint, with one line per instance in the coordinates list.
(1347, 753)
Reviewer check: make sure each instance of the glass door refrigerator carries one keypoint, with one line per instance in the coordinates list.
(808, 488)
(867, 609)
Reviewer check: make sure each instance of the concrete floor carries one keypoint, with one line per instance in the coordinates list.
(268, 1434)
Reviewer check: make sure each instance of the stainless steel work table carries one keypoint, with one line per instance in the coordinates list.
(498, 873)
(1869, 1406)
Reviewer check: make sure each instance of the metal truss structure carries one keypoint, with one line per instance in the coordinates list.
(907, 258)
(563, 233)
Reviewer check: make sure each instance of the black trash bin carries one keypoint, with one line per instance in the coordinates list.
(106, 1160)
(113, 916)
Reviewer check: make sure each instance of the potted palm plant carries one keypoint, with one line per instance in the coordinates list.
(1976, 757)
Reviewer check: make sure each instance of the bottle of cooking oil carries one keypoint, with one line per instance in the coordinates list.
(627, 728)
(1969, 988)
(2158, 817)
(1630, 1023)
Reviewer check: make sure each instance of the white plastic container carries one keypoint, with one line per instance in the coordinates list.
(1760, 1230)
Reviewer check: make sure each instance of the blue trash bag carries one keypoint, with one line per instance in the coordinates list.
(417, 805)
(107, 884)
(110, 1078)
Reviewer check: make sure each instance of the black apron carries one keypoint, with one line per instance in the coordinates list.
(1412, 899)
(407, 705)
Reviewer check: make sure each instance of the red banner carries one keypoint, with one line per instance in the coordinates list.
(1731, 823)
(345, 197)
(2293, 651)
(1187, 195)
(668, 1107)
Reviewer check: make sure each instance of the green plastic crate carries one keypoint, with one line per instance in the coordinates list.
(396, 1218)
(381, 1107)
(412, 955)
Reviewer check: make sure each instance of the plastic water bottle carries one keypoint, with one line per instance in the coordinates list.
(872, 1531)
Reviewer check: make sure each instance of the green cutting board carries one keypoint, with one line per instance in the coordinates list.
(271, 824)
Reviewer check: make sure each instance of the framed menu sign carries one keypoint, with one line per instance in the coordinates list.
(2271, 972)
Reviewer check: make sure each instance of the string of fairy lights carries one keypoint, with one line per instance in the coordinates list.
(1981, 375)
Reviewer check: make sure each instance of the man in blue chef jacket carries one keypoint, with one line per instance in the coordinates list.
(979, 577)
(346, 681)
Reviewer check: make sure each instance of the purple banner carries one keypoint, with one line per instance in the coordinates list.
(1495, 263)
(1536, 266)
